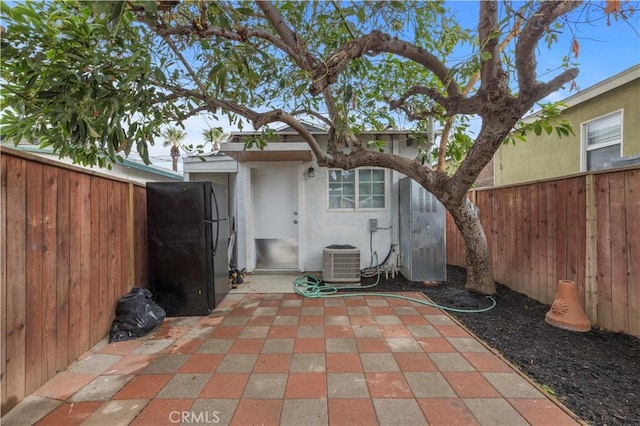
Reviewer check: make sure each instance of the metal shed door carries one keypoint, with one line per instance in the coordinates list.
(422, 234)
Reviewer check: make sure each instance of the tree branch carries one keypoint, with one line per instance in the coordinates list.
(319, 116)
(327, 73)
(373, 44)
(190, 70)
(542, 90)
(456, 104)
(444, 138)
(491, 73)
(302, 57)
(257, 119)
(241, 34)
(442, 147)
(434, 182)
(283, 117)
(426, 59)
(332, 108)
(534, 29)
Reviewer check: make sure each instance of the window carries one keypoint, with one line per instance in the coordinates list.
(356, 189)
(602, 139)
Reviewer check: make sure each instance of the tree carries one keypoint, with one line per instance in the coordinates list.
(173, 137)
(96, 79)
(214, 136)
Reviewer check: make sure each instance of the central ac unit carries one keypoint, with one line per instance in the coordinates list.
(341, 264)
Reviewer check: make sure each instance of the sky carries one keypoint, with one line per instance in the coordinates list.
(605, 50)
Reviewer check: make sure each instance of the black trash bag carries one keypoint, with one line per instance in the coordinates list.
(136, 315)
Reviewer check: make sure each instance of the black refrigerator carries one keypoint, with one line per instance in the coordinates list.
(188, 231)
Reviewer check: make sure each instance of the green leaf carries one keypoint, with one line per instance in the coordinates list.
(92, 131)
(348, 93)
(537, 128)
(485, 56)
(299, 90)
(116, 13)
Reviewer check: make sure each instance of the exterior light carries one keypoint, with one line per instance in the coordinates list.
(310, 172)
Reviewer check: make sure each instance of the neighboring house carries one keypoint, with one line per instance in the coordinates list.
(606, 122)
(485, 178)
(286, 209)
(128, 170)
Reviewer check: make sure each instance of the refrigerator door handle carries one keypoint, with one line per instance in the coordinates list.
(217, 222)
(217, 232)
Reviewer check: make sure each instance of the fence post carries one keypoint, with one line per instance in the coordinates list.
(591, 261)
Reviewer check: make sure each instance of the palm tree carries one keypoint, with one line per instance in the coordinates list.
(173, 136)
(214, 136)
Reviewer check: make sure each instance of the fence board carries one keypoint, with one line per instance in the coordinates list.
(49, 266)
(84, 259)
(75, 247)
(94, 276)
(112, 258)
(534, 245)
(543, 230)
(103, 234)
(591, 248)
(605, 313)
(512, 256)
(34, 301)
(632, 213)
(495, 250)
(579, 239)
(141, 257)
(561, 230)
(15, 275)
(526, 240)
(126, 237)
(498, 208)
(62, 271)
(3, 283)
(617, 223)
(518, 217)
(552, 279)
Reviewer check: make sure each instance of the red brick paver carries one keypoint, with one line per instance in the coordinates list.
(281, 359)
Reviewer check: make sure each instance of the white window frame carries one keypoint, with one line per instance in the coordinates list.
(357, 191)
(584, 127)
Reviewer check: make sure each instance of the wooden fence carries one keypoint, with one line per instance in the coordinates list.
(584, 228)
(73, 242)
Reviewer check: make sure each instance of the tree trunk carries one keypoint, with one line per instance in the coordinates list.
(175, 154)
(479, 276)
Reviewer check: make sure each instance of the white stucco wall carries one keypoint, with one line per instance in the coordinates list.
(321, 227)
(324, 227)
(318, 226)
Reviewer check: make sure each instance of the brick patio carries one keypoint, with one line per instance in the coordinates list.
(281, 359)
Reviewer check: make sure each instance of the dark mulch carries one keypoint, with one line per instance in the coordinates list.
(595, 374)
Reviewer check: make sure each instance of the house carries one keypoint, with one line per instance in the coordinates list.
(286, 209)
(606, 121)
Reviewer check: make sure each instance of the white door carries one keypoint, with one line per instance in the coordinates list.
(275, 212)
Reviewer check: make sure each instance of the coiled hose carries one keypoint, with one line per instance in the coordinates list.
(312, 287)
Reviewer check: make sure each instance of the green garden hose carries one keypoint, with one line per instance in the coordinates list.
(312, 287)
